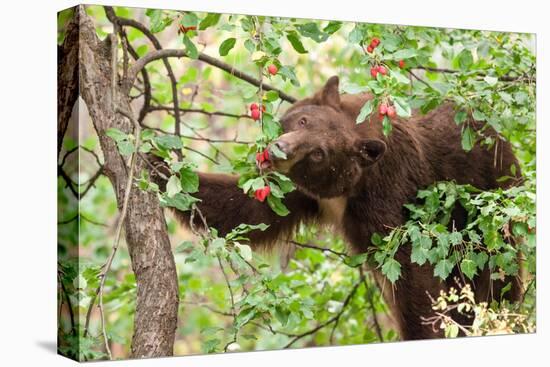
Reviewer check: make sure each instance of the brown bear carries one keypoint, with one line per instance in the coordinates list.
(353, 177)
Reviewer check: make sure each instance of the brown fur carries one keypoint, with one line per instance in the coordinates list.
(358, 179)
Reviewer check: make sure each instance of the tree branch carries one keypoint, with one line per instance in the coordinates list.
(159, 54)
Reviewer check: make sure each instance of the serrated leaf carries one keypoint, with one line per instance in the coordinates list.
(443, 268)
(468, 268)
(391, 269)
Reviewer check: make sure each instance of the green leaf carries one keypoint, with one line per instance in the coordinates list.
(460, 117)
(270, 127)
(278, 153)
(80, 282)
(189, 20)
(271, 96)
(468, 138)
(451, 331)
(282, 315)
(295, 41)
(391, 269)
(210, 346)
(181, 201)
(245, 251)
(210, 20)
(468, 268)
(404, 54)
(356, 260)
(189, 180)
(332, 27)
(443, 269)
(312, 31)
(386, 126)
(190, 48)
(365, 112)
(116, 134)
(125, 147)
(184, 246)
(277, 206)
(465, 59)
(227, 45)
(155, 17)
(168, 142)
(491, 80)
(479, 116)
(402, 107)
(173, 186)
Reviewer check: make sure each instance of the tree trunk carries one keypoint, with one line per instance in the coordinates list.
(145, 227)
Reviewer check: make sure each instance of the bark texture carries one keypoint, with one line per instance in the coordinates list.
(145, 228)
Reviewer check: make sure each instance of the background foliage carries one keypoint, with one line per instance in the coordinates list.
(311, 292)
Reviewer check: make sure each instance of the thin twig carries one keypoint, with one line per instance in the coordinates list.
(335, 318)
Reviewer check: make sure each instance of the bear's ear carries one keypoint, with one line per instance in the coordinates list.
(329, 94)
(370, 150)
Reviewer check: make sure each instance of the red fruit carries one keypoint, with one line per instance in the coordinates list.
(255, 114)
(391, 112)
(383, 109)
(253, 106)
(375, 42)
(382, 70)
(373, 71)
(266, 155)
(259, 157)
(262, 193)
(272, 69)
(401, 64)
(370, 49)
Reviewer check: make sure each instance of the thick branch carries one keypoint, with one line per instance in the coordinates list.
(67, 79)
(144, 226)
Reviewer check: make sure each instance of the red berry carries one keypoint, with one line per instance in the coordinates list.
(390, 111)
(259, 157)
(401, 64)
(262, 193)
(382, 70)
(266, 155)
(255, 114)
(272, 69)
(253, 106)
(373, 71)
(383, 109)
(370, 49)
(375, 42)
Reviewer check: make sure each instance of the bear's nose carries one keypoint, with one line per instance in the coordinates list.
(283, 146)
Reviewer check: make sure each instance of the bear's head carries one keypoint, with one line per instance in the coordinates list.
(325, 156)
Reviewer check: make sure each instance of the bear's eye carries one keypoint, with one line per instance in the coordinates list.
(317, 155)
(302, 122)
